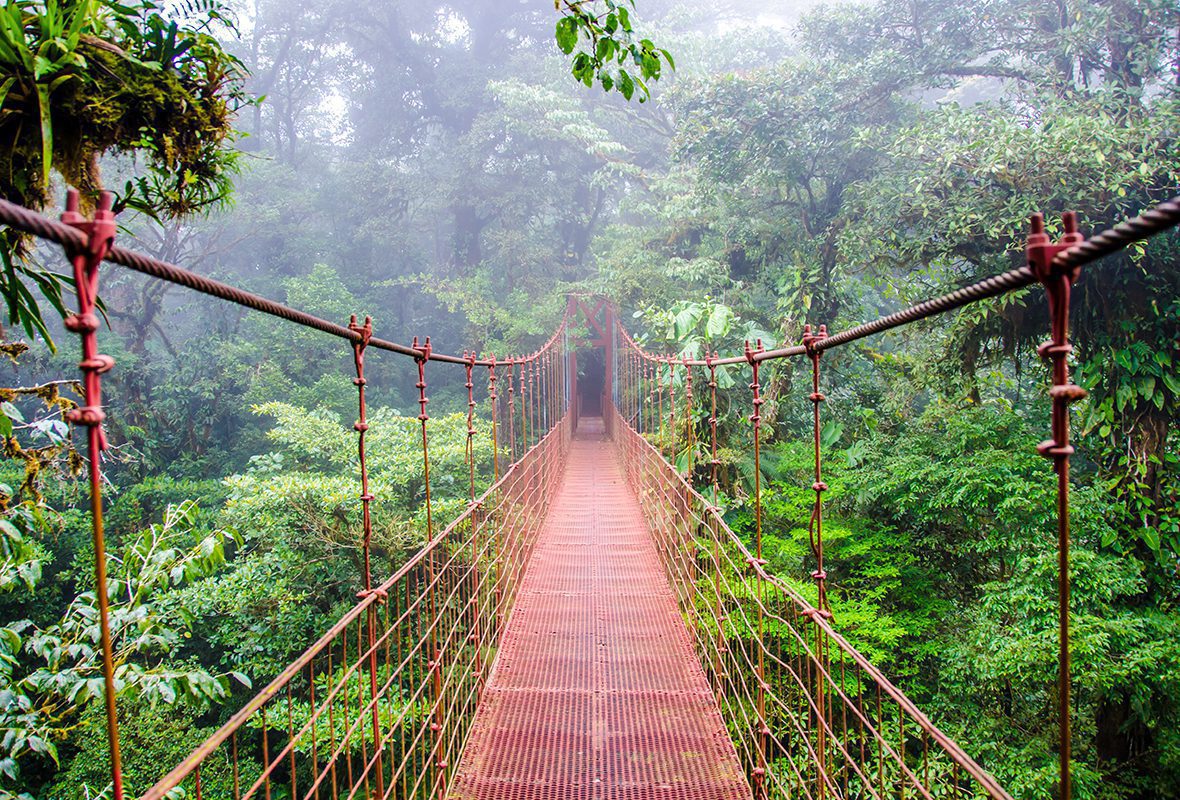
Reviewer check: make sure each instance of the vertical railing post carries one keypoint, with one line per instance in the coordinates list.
(571, 365)
(816, 535)
(1058, 282)
(608, 359)
(637, 387)
(758, 565)
(714, 465)
(435, 663)
(512, 409)
(689, 428)
(565, 369)
(494, 400)
(497, 533)
(525, 377)
(672, 412)
(646, 390)
(469, 385)
(538, 390)
(616, 364)
(476, 521)
(364, 334)
(100, 234)
(659, 372)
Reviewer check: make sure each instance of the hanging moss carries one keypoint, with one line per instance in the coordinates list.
(112, 99)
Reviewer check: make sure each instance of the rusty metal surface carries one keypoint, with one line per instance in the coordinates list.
(597, 691)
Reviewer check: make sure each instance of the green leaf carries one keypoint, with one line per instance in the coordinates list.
(605, 49)
(1172, 382)
(626, 84)
(719, 323)
(4, 88)
(567, 34)
(46, 133)
(830, 434)
(686, 320)
(12, 411)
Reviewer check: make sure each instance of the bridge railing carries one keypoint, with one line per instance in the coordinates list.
(809, 715)
(826, 723)
(382, 704)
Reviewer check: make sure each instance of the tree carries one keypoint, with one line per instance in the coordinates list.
(84, 79)
(50, 673)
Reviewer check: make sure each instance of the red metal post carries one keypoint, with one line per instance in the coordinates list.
(816, 533)
(511, 410)
(672, 410)
(365, 332)
(525, 408)
(361, 426)
(714, 464)
(608, 355)
(435, 663)
(495, 403)
(571, 309)
(645, 396)
(659, 377)
(756, 420)
(1058, 282)
(476, 523)
(689, 438)
(817, 522)
(100, 235)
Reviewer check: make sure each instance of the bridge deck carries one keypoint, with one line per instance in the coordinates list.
(597, 692)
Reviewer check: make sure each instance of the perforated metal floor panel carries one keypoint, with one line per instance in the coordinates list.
(596, 691)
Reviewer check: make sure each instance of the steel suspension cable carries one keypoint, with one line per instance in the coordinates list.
(28, 221)
(1162, 217)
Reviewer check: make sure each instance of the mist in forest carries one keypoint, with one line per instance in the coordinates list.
(431, 153)
(456, 170)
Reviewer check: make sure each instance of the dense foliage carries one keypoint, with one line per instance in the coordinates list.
(435, 165)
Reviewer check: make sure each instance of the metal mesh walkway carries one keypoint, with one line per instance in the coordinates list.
(597, 692)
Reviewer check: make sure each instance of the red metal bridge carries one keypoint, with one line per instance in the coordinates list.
(589, 627)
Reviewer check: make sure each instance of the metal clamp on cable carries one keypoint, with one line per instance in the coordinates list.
(381, 594)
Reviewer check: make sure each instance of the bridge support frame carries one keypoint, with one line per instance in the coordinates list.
(1058, 280)
(86, 260)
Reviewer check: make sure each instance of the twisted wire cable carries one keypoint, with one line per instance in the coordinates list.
(24, 219)
(1154, 221)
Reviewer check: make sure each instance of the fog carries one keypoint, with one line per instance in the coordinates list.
(416, 147)
(725, 173)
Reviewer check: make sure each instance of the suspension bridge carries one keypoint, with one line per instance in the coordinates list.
(589, 626)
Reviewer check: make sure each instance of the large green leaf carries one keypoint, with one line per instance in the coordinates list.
(46, 132)
(720, 320)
